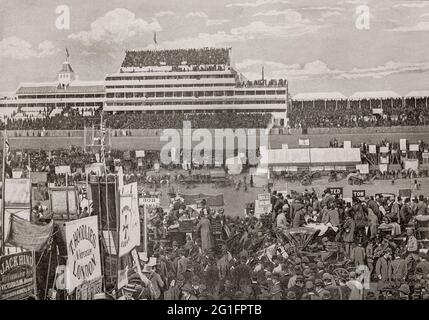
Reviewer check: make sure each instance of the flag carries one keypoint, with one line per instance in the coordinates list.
(28, 235)
(67, 53)
(154, 38)
(304, 142)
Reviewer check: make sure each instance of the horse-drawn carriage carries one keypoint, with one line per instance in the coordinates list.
(358, 179)
(307, 179)
(335, 176)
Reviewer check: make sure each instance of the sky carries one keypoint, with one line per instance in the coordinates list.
(318, 45)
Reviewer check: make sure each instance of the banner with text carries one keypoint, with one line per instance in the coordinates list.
(83, 251)
(17, 276)
(129, 223)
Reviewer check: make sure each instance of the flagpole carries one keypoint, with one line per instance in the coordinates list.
(3, 229)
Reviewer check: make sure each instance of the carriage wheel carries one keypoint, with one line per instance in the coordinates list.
(341, 273)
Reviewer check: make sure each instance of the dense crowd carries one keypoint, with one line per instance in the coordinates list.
(338, 115)
(307, 248)
(176, 57)
(265, 83)
(68, 119)
(231, 120)
(73, 119)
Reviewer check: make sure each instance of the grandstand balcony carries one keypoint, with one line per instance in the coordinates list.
(174, 106)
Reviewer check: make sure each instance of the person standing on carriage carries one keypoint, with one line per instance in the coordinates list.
(281, 222)
(205, 233)
(348, 232)
(412, 249)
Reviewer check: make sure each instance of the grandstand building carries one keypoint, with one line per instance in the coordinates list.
(191, 81)
(33, 100)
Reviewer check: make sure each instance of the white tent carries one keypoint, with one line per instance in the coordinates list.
(374, 95)
(418, 94)
(312, 96)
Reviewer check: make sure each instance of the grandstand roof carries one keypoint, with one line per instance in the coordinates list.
(310, 96)
(374, 95)
(53, 87)
(418, 94)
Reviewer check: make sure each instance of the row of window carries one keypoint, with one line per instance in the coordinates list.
(171, 85)
(196, 76)
(61, 96)
(174, 103)
(179, 94)
(53, 105)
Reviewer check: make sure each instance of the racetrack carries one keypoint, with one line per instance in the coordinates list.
(155, 143)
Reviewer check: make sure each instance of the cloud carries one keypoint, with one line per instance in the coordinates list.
(115, 27)
(255, 4)
(418, 4)
(352, 2)
(320, 70)
(216, 22)
(322, 8)
(314, 69)
(293, 27)
(199, 41)
(272, 13)
(389, 68)
(164, 13)
(328, 14)
(86, 53)
(421, 26)
(46, 49)
(209, 22)
(19, 49)
(198, 14)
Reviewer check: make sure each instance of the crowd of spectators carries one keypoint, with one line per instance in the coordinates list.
(177, 57)
(134, 120)
(365, 250)
(264, 83)
(68, 119)
(338, 115)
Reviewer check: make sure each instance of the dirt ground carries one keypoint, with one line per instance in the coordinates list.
(235, 201)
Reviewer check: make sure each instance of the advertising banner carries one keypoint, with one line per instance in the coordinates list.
(359, 194)
(336, 191)
(62, 170)
(83, 251)
(17, 276)
(17, 193)
(129, 224)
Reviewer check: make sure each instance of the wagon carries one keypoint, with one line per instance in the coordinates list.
(354, 180)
